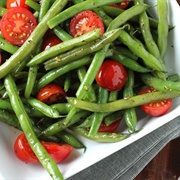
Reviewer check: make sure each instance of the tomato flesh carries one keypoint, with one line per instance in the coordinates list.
(110, 128)
(112, 75)
(157, 108)
(17, 24)
(51, 93)
(16, 3)
(122, 5)
(84, 22)
(58, 152)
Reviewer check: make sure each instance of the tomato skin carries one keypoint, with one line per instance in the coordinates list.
(112, 75)
(122, 5)
(23, 150)
(158, 108)
(58, 152)
(16, 3)
(50, 41)
(17, 24)
(84, 22)
(111, 128)
(51, 93)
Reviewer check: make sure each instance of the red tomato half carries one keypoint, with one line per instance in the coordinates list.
(157, 108)
(23, 151)
(84, 22)
(111, 128)
(122, 5)
(50, 41)
(59, 152)
(112, 75)
(16, 3)
(17, 24)
(51, 93)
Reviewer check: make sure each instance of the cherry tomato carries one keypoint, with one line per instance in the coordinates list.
(16, 3)
(111, 128)
(122, 5)
(59, 152)
(84, 22)
(50, 41)
(112, 75)
(157, 108)
(51, 93)
(23, 151)
(17, 24)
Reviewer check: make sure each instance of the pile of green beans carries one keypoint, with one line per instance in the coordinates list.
(132, 37)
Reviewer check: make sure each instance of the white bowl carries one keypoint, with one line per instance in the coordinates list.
(12, 168)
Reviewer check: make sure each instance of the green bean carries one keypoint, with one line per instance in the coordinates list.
(130, 116)
(9, 119)
(112, 117)
(113, 95)
(27, 128)
(67, 82)
(63, 108)
(148, 59)
(42, 107)
(162, 7)
(55, 73)
(6, 46)
(81, 51)
(60, 125)
(122, 103)
(98, 117)
(159, 84)
(71, 139)
(30, 81)
(34, 5)
(45, 5)
(2, 11)
(129, 63)
(65, 46)
(114, 12)
(126, 52)
(32, 41)
(146, 32)
(63, 35)
(71, 11)
(100, 136)
(6, 105)
(173, 77)
(128, 14)
(90, 91)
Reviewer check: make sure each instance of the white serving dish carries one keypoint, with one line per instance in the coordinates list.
(12, 168)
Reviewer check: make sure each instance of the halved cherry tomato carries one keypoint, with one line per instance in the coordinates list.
(112, 75)
(16, 3)
(157, 108)
(122, 5)
(84, 22)
(49, 41)
(17, 24)
(22, 149)
(59, 152)
(111, 128)
(51, 93)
